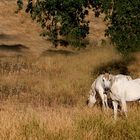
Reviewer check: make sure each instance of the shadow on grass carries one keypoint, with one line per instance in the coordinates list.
(6, 37)
(58, 52)
(14, 48)
(115, 67)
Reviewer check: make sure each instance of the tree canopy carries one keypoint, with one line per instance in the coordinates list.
(124, 23)
(64, 21)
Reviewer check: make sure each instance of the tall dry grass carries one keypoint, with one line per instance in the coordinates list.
(49, 80)
(75, 123)
(44, 98)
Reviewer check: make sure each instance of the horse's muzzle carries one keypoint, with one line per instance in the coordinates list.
(107, 89)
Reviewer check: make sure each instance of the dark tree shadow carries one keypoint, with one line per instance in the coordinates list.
(6, 37)
(58, 52)
(115, 67)
(14, 48)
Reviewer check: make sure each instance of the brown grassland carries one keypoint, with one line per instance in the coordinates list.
(43, 91)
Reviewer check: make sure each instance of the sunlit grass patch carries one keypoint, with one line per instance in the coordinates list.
(45, 98)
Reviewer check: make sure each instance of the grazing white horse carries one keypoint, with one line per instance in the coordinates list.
(99, 87)
(121, 91)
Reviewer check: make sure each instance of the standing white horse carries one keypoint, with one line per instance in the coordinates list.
(101, 89)
(121, 91)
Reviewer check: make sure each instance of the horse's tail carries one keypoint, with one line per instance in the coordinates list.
(93, 88)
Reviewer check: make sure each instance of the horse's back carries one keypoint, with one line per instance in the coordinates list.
(132, 90)
(127, 90)
(137, 80)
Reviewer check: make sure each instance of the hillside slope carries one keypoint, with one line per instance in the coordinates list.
(20, 29)
(19, 35)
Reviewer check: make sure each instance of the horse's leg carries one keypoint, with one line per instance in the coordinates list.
(124, 107)
(101, 92)
(115, 107)
(105, 100)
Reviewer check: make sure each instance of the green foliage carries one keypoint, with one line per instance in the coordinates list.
(124, 23)
(20, 5)
(61, 19)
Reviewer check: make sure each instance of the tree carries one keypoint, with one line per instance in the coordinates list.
(64, 20)
(20, 5)
(124, 23)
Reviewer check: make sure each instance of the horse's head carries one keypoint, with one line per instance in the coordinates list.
(106, 80)
(91, 99)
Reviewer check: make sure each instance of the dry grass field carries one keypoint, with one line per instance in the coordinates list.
(43, 91)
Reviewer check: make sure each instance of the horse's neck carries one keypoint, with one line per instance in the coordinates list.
(118, 81)
(99, 82)
(100, 79)
(112, 81)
